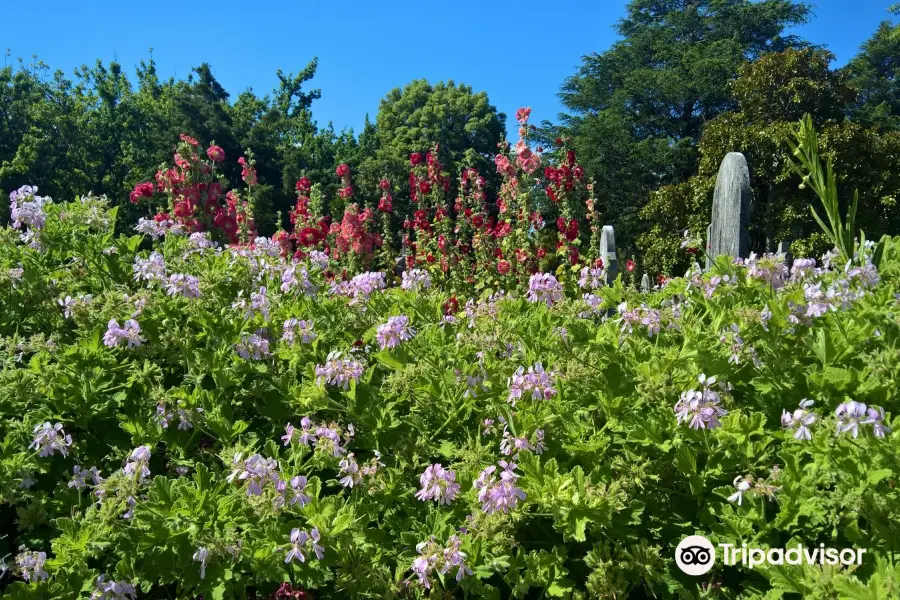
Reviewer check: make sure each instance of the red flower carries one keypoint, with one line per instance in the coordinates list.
(550, 194)
(598, 264)
(303, 184)
(430, 258)
(345, 192)
(478, 220)
(561, 224)
(504, 267)
(308, 236)
(385, 205)
(629, 265)
(384, 184)
(415, 158)
(451, 305)
(498, 253)
(570, 157)
(141, 190)
(661, 279)
(186, 138)
(424, 187)
(215, 153)
(343, 170)
(573, 256)
(541, 253)
(522, 115)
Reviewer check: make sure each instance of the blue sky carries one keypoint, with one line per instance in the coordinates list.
(518, 52)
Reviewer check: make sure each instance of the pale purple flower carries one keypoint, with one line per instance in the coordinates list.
(157, 229)
(502, 495)
(701, 408)
(543, 287)
(306, 431)
(31, 564)
(318, 259)
(536, 382)
(138, 462)
(259, 302)
(256, 470)
(350, 472)
(875, 417)
(593, 302)
(510, 444)
(80, 477)
(433, 557)
(339, 371)
(27, 208)
(415, 280)
(113, 590)
(201, 241)
(850, 416)
(298, 487)
(360, 287)
(182, 471)
(150, 269)
(299, 541)
(393, 332)
(438, 484)
(115, 334)
(28, 481)
(68, 305)
(186, 285)
(292, 327)
(253, 346)
(800, 419)
(592, 278)
(539, 446)
(50, 439)
(201, 556)
(291, 279)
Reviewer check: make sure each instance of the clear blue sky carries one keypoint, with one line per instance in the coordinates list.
(519, 52)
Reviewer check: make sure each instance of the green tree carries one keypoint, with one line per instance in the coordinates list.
(875, 72)
(637, 110)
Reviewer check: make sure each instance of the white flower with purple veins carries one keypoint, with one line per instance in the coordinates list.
(318, 259)
(253, 346)
(298, 488)
(339, 371)
(259, 302)
(27, 208)
(201, 556)
(31, 565)
(438, 484)
(115, 334)
(502, 495)
(395, 331)
(81, 477)
(415, 280)
(511, 444)
(350, 472)
(360, 287)
(701, 408)
(304, 542)
(113, 590)
(741, 485)
(592, 278)
(50, 439)
(138, 463)
(201, 241)
(535, 382)
(734, 341)
(329, 440)
(543, 287)
(800, 420)
(150, 269)
(875, 417)
(294, 327)
(291, 279)
(256, 470)
(186, 285)
(853, 414)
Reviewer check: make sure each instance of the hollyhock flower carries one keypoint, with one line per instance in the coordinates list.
(342, 170)
(31, 565)
(201, 556)
(503, 266)
(536, 382)
(629, 265)
(339, 371)
(800, 419)
(700, 407)
(522, 114)
(186, 138)
(393, 332)
(742, 485)
(49, 440)
(186, 285)
(438, 484)
(112, 590)
(138, 463)
(141, 190)
(543, 287)
(215, 153)
(502, 495)
(303, 184)
(292, 327)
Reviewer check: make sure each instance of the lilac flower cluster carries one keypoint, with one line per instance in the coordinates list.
(438, 484)
(304, 542)
(339, 371)
(592, 278)
(645, 316)
(157, 229)
(803, 268)
(115, 334)
(70, 304)
(164, 414)
(27, 208)
(434, 557)
(81, 476)
(543, 287)
(511, 445)
(360, 287)
(112, 590)
(701, 407)
(200, 240)
(800, 420)
(757, 487)
(853, 414)
(256, 470)
(138, 463)
(49, 440)
(415, 280)
(31, 565)
(594, 303)
(253, 346)
(318, 260)
(330, 439)
(395, 331)
(535, 382)
(354, 474)
(291, 278)
(768, 267)
(150, 269)
(499, 495)
(293, 327)
(186, 285)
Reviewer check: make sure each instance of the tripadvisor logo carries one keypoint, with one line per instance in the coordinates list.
(695, 555)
